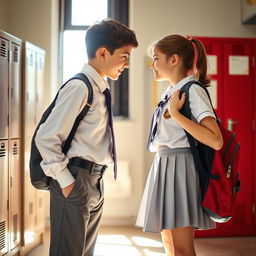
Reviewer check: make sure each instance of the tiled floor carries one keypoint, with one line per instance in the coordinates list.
(130, 241)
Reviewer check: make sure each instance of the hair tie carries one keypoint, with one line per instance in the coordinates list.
(193, 70)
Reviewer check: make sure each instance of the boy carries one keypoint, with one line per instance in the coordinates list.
(77, 185)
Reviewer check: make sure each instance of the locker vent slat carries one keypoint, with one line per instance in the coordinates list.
(15, 55)
(3, 49)
(15, 227)
(2, 235)
(15, 151)
(2, 152)
(238, 49)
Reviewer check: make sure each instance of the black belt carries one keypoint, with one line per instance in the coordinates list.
(88, 165)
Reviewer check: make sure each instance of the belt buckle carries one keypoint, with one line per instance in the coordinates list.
(104, 168)
(92, 168)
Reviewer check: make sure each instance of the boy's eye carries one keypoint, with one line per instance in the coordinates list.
(125, 57)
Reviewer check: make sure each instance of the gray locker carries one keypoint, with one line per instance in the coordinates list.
(10, 137)
(4, 196)
(15, 92)
(14, 193)
(34, 213)
(4, 80)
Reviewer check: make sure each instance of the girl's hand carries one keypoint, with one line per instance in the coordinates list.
(176, 103)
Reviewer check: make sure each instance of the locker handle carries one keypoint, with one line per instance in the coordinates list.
(231, 123)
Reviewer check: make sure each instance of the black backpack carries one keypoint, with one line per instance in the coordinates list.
(38, 178)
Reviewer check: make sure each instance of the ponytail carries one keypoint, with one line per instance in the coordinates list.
(201, 64)
(191, 51)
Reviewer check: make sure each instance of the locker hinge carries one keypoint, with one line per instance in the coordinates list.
(253, 125)
(253, 208)
(253, 61)
(10, 182)
(8, 120)
(7, 205)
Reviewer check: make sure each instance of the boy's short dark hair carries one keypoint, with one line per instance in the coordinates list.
(110, 34)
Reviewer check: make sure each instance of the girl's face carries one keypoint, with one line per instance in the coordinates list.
(160, 65)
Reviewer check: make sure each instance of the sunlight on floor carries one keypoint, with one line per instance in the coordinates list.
(127, 245)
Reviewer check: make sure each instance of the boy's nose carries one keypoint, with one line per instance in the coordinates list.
(127, 64)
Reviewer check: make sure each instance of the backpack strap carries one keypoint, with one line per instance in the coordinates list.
(80, 117)
(203, 155)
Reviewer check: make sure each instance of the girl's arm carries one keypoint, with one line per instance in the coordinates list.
(207, 131)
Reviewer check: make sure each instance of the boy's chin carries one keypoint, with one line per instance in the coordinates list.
(115, 77)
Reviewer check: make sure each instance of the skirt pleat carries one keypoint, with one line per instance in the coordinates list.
(171, 197)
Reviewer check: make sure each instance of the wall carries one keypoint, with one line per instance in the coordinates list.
(3, 14)
(152, 20)
(37, 22)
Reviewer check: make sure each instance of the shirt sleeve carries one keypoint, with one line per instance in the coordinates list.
(199, 103)
(51, 134)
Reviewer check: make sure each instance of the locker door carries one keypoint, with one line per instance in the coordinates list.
(29, 127)
(4, 196)
(40, 196)
(4, 76)
(238, 106)
(214, 51)
(15, 91)
(15, 194)
(40, 66)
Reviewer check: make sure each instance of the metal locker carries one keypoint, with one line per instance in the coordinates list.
(15, 91)
(30, 92)
(40, 66)
(29, 214)
(4, 196)
(4, 76)
(29, 127)
(14, 193)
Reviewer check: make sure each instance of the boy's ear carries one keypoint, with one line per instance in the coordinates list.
(101, 53)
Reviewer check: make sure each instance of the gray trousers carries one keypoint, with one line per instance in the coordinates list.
(75, 219)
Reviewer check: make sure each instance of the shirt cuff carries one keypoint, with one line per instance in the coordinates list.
(205, 114)
(65, 178)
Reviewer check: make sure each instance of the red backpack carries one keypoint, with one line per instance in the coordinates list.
(217, 169)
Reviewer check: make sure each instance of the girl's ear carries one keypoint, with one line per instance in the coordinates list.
(174, 59)
(101, 54)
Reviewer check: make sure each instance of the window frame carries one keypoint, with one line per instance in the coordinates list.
(119, 11)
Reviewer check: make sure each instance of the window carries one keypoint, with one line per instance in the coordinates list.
(78, 16)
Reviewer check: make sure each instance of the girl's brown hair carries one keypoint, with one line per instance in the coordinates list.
(176, 44)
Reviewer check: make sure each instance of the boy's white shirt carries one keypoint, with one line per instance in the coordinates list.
(169, 133)
(92, 140)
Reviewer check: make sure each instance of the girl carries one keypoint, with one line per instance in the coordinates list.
(171, 199)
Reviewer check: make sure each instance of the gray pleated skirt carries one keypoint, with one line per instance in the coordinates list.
(171, 198)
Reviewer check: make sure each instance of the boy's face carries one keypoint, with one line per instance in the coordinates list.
(117, 62)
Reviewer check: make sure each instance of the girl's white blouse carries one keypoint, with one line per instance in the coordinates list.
(169, 133)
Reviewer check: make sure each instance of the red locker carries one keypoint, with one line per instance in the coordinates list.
(236, 94)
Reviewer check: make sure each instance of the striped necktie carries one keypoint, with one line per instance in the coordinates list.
(155, 119)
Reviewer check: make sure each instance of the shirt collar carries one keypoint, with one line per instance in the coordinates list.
(173, 88)
(181, 83)
(96, 77)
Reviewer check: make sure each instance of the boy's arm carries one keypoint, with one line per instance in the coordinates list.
(55, 130)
